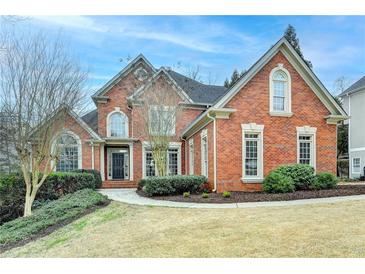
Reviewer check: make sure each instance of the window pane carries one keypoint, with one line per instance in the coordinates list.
(204, 156)
(173, 161)
(356, 165)
(68, 153)
(150, 165)
(280, 76)
(117, 125)
(251, 154)
(305, 143)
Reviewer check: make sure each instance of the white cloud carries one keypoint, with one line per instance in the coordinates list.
(78, 22)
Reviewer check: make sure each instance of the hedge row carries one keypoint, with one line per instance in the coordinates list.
(169, 185)
(289, 178)
(58, 184)
(50, 214)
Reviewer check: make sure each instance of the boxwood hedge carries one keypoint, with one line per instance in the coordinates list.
(169, 185)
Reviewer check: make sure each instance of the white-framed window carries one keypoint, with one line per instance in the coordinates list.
(173, 160)
(252, 152)
(204, 152)
(162, 120)
(68, 147)
(306, 145)
(356, 165)
(191, 156)
(117, 124)
(280, 91)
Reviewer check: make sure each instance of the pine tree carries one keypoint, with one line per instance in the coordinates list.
(291, 35)
(234, 78)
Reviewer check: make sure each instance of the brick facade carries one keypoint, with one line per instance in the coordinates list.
(252, 106)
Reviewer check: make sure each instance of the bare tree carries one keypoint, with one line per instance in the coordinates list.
(341, 84)
(194, 73)
(39, 82)
(159, 109)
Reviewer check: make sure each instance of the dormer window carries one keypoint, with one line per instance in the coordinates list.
(280, 92)
(117, 124)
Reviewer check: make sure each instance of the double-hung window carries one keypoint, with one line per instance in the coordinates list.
(173, 161)
(356, 165)
(149, 164)
(191, 156)
(252, 152)
(68, 148)
(306, 145)
(204, 153)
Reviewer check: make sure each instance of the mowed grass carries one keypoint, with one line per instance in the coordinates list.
(120, 230)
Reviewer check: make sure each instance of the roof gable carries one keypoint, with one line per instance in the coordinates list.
(111, 83)
(301, 67)
(154, 78)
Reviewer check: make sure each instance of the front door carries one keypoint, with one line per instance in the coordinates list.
(118, 166)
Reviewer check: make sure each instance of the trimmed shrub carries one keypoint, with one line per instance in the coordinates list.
(324, 180)
(205, 195)
(169, 185)
(50, 214)
(186, 194)
(226, 194)
(302, 175)
(97, 177)
(278, 183)
(58, 184)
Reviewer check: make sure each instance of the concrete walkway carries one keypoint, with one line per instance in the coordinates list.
(129, 196)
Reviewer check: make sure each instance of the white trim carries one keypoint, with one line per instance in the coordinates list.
(79, 146)
(352, 165)
(259, 129)
(311, 131)
(131, 162)
(191, 156)
(287, 102)
(357, 149)
(92, 156)
(84, 125)
(108, 123)
(110, 151)
(203, 161)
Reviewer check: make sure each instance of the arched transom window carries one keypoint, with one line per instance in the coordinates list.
(117, 125)
(280, 93)
(68, 148)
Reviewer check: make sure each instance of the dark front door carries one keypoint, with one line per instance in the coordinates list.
(118, 166)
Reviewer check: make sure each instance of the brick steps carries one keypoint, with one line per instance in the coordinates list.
(119, 184)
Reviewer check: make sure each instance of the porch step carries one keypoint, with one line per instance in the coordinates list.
(119, 184)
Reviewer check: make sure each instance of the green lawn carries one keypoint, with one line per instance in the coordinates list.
(120, 230)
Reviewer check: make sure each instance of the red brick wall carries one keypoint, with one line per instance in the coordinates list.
(280, 135)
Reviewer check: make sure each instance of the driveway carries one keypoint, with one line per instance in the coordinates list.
(129, 196)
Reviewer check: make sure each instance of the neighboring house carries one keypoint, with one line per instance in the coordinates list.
(354, 104)
(277, 113)
(8, 156)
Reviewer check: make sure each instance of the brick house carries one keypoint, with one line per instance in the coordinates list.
(277, 113)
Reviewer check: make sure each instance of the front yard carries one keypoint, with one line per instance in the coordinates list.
(120, 230)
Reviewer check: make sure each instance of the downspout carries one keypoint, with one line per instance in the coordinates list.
(214, 151)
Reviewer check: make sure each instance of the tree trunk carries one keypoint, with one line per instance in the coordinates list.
(29, 199)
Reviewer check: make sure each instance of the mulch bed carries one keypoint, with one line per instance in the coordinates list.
(242, 197)
(51, 229)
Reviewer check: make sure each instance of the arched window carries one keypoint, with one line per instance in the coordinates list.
(117, 124)
(68, 148)
(280, 91)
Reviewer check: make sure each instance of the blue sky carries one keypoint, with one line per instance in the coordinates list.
(217, 44)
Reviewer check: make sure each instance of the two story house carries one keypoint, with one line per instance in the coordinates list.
(277, 113)
(353, 100)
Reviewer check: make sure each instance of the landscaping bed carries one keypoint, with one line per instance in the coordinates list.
(242, 197)
(50, 217)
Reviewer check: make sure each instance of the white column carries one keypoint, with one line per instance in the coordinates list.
(102, 162)
(92, 156)
(131, 162)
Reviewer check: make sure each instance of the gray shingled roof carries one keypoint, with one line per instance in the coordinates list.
(91, 119)
(198, 92)
(355, 86)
